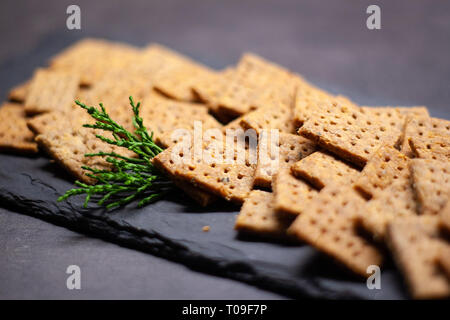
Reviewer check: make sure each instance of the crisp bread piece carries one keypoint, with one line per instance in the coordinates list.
(257, 216)
(416, 252)
(291, 195)
(349, 133)
(19, 92)
(384, 167)
(252, 76)
(310, 99)
(431, 180)
(177, 82)
(278, 150)
(202, 198)
(14, 134)
(209, 89)
(427, 137)
(167, 119)
(445, 217)
(321, 169)
(50, 90)
(408, 130)
(222, 169)
(91, 59)
(328, 225)
(275, 112)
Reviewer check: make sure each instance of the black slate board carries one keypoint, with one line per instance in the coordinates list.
(172, 228)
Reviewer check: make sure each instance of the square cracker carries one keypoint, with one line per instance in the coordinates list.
(431, 180)
(14, 134)
(257, 216)
(50, 90)
(253, 75)
(384, 167)
(212, 170)
(275, 112)
(91, 59)
(328, 224)
(166, 117)
(349, 133)
(321, 169)
(291, 195)
(19, 92)
(416, 252)
(274, 154)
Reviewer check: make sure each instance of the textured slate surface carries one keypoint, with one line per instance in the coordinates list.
(172, 228)
(405, 63)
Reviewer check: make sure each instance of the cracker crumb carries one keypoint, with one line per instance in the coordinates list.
(205, 228)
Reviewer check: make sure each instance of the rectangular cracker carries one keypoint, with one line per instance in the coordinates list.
(50, 90)
(202, 198)
(431, 179)
(349, 133)
(14, 135)
(328, 225)
(252, 76)
(291, 195)
(275, 112)
(213, 170)
(166, 118)
(19, 92)
(257, 216)
(384, 167)
(276, 151)
(416, 253)
(91, 59)
(321, 169)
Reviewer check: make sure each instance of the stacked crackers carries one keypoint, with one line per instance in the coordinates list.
(349, 180)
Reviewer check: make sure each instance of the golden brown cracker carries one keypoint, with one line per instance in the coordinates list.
(278, 150)
(416, 253)
(19, 92)
(321, 169)
(258, 216)
(14, 135)
(328, 225)
(384, 167)
(291, 195)
(349, 133)
(50, 91)
(431, 180)
(213, 169)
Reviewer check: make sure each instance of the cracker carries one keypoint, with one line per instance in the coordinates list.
(50, 90)
(427, 137)
(444, 258)
(257, 216)
(321, 169)
(275, 112)
(384, 167)
(431, 180)
(19, 92)
(291, 195)
(163, 117)
(91, 59)
(14, 134)
(328, 225)
(416, 253)
(203, 198)
(276, 151)
(213, 170)
(177, 83)
(252, 76)
(349, 133)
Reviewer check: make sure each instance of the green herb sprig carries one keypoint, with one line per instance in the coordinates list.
(130, 178)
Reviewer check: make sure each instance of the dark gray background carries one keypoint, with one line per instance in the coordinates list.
(405, 63)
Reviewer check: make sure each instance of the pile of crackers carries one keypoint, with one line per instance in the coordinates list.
(358, 183)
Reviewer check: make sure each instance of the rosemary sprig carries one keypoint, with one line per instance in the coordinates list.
(130, 178)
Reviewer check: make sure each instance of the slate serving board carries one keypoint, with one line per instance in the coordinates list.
(172, 228)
